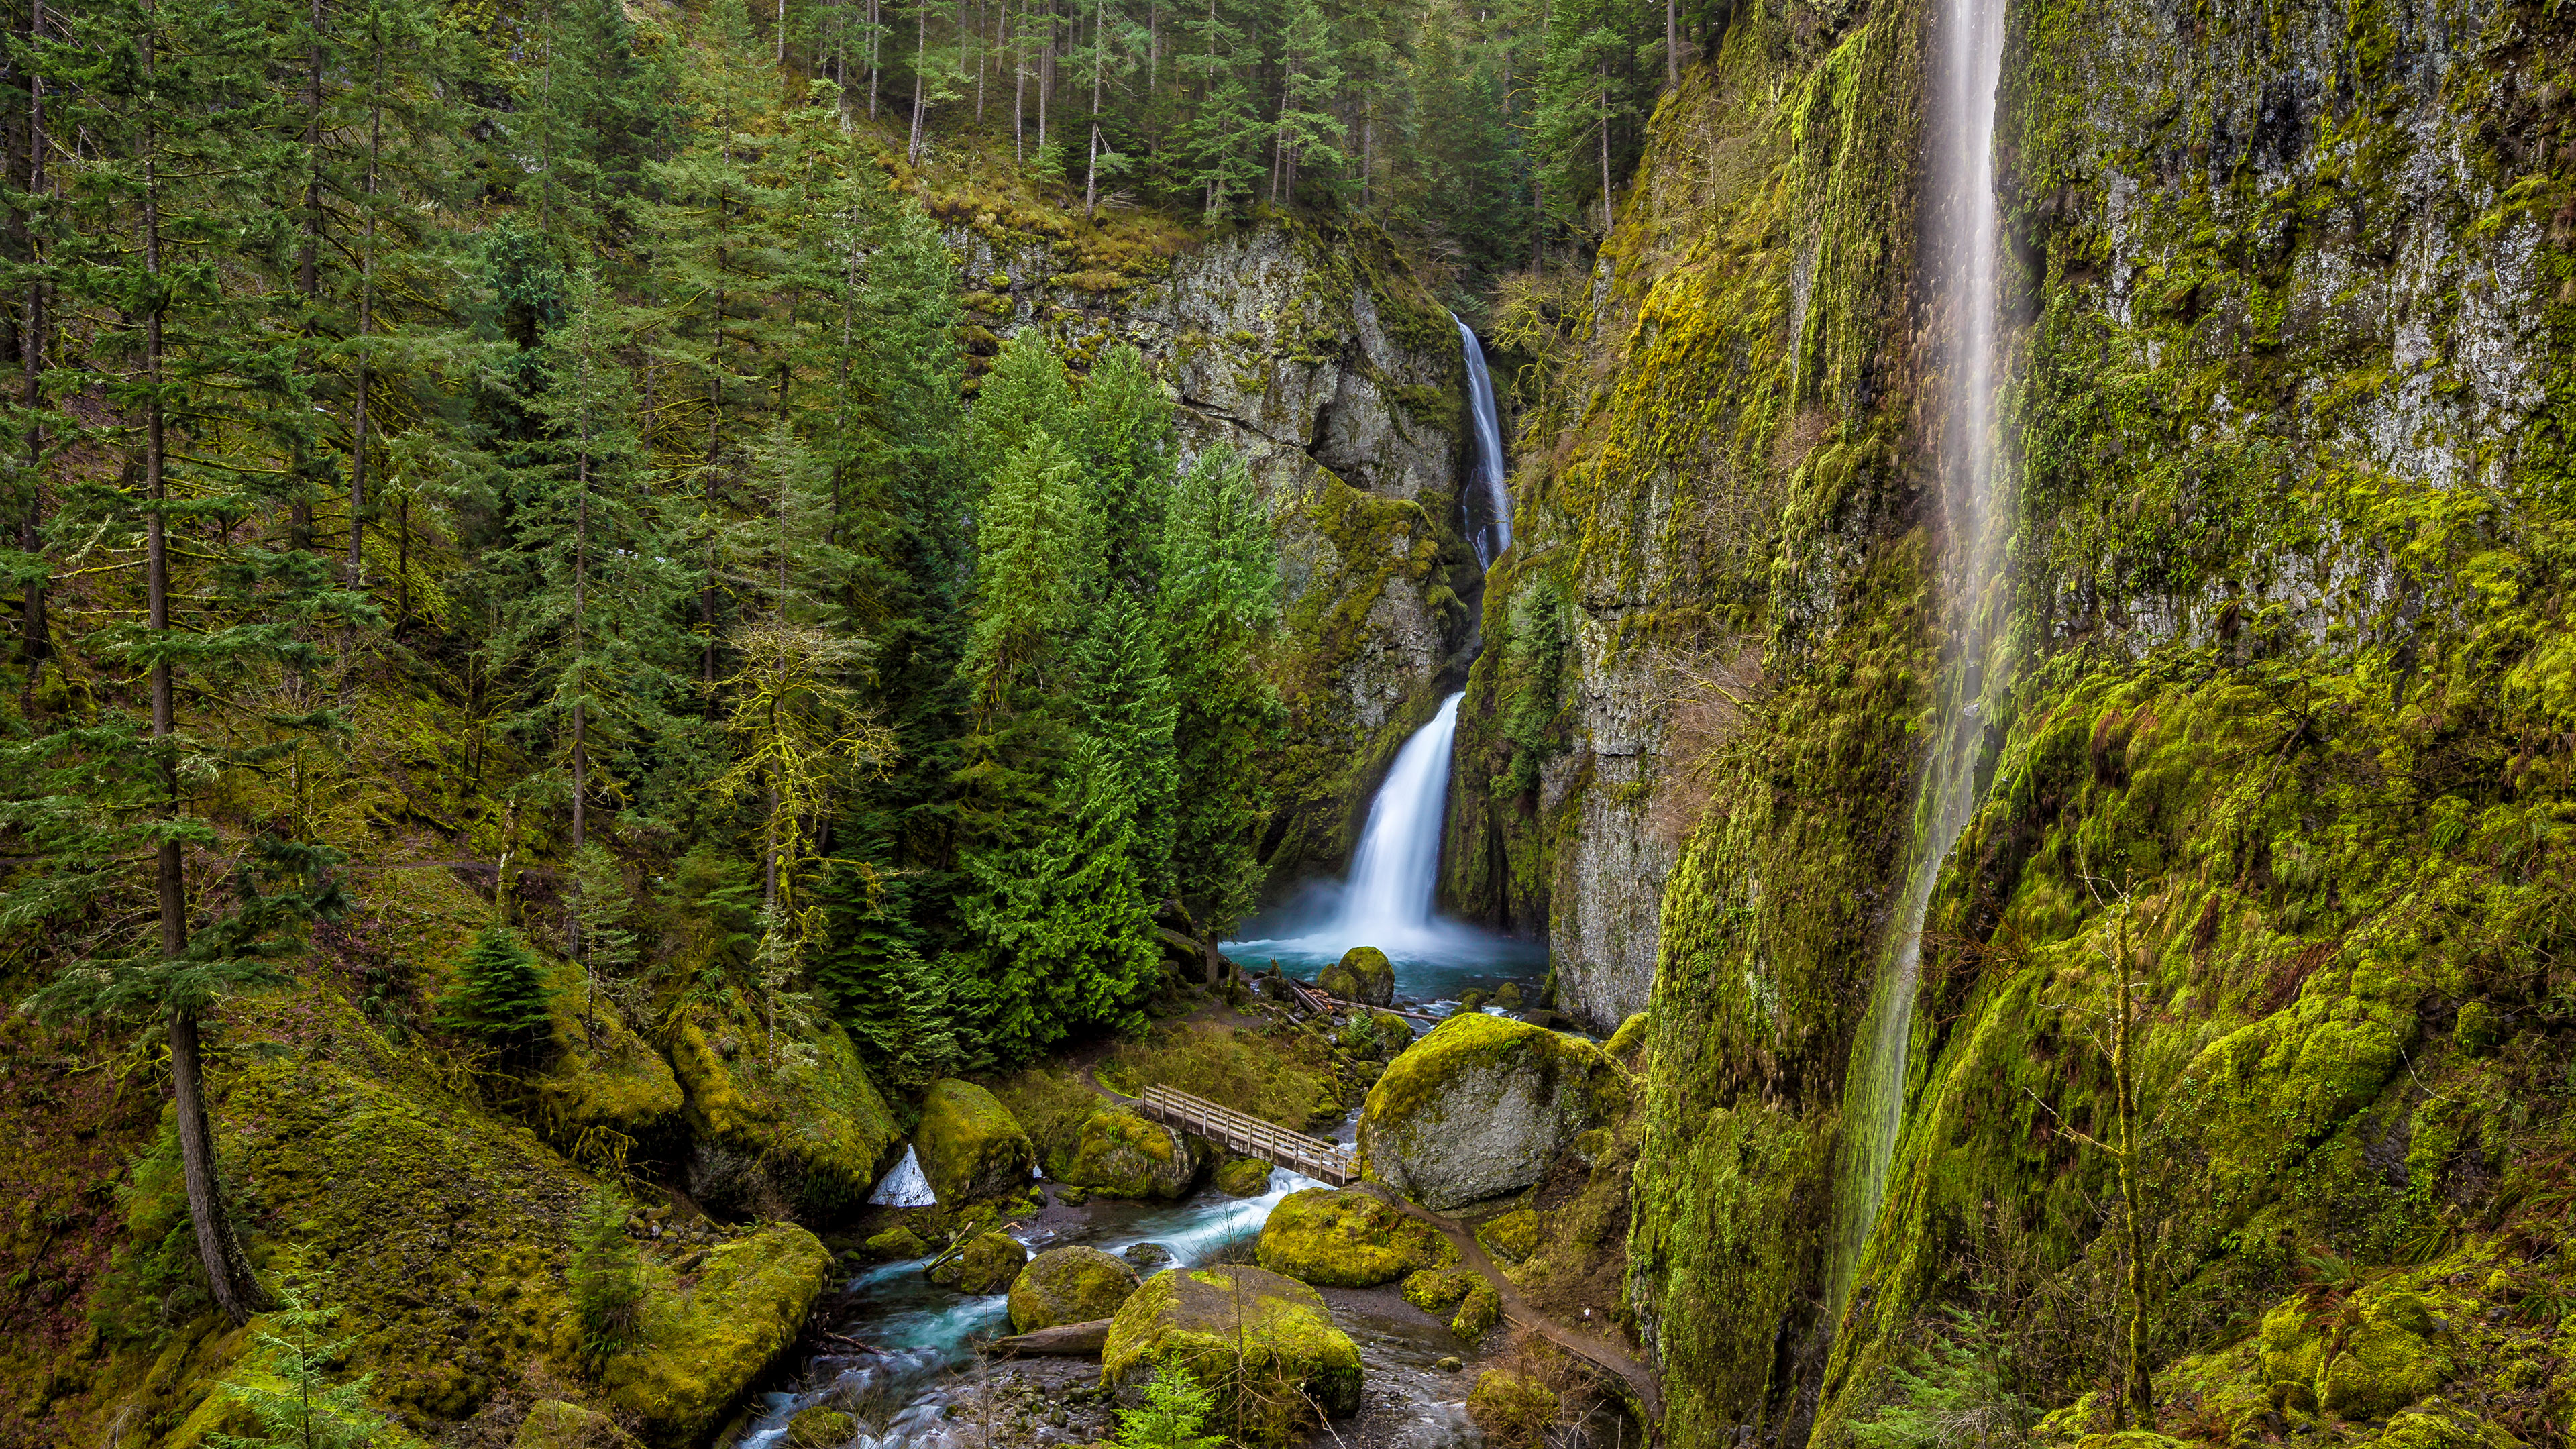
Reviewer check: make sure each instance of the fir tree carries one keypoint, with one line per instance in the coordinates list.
(1175, 1409)
(498, 997)
(1215, 614)
(305, 1409)
(1127, 717)
(1128, 444)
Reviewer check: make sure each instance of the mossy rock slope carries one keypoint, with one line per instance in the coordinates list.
(1481, 1106)
(1348, 1240)
(556, 1424)
(1221, 1320)
(712, 1330)
(1069, 1285)
(971, 1146)
(806, 1124)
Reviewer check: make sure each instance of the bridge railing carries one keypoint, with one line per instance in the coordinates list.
(1249, 1135)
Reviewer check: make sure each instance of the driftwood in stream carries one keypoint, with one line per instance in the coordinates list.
(1069, 1340)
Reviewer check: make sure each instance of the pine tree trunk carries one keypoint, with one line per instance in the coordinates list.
(1099, 69)
(782, 32)
(236, 1292)
(876, 32)
(1019, 84)
(34, 636)
(1605, 149)
(1046, 74)
(920, 63)
(1672, 45)
(366, 325)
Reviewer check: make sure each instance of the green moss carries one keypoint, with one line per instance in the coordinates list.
(1512, 1237)
(971, 1148)
(1348, 1240)
(710, 1332)
(1478, 1305)
(1243, 1177)
(1548, 1088)
(1625, 1042)
(1515, 1411)
(897, 1244)
(1479, 1309)
(1363, 974)
(555, 1424)
(1230, 1320)
(820, 1428)
(809, 1115)
(1069, 1285)
(988, 1264)
(1119, 1154)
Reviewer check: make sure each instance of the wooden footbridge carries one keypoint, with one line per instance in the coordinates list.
(1326, 1162)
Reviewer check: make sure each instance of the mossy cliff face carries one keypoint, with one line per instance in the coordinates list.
(2291, 393)
(1312, 350)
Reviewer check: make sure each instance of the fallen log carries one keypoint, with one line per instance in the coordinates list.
(1069, 1340)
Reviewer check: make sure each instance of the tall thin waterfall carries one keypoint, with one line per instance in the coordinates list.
(1388, 900)
(1975, 597)
(1492, 533)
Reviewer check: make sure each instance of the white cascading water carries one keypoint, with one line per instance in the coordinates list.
(1491, 534)
(905, 1186)
(1387, 902)
(1975, 592)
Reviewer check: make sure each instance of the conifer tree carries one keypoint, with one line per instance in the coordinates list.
(1127, 718)
(295, 1402)
(1217, 608)
(1128, 445)
(498, 997)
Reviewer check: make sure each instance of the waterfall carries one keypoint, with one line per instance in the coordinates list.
(1387, 902)
(1975, 596)
(1491, 534)
(905, 1186)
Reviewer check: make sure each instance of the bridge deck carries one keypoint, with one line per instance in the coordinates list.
(1323, 1161)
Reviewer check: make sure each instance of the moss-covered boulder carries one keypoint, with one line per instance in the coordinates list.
(1348, 1240)
(1514, 1411)
(1229, 1319)
(897, 1244)
(708, 1333)
(1481, 1106)
(1374, 1033)
(1244, 1177)
(1513, 1237)
(1069, 1285)
(806, 1127)
(987, 1264)
(820, 1428)
(1363, 974)
(554, 1424)
(1471, 1304)
(971, 1147)
(1628, 1040)
(2388, 1360)
(1119, 1154)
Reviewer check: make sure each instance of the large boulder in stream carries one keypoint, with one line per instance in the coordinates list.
(1225, 1319)
(1119, 1154)
(1348, 1240)
(971, 1147)
(709, 1332)
(1069, 1285)
(1363, 974)
(1481, 1106)
(989, 1264)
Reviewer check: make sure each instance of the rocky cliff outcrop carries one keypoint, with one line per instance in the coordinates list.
(1312, 350)
(2288, 419)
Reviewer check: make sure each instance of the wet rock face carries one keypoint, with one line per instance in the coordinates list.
(1481, 1107)
(1314, 353)
(1069, 1285)
(1229, 1319)
(971, 1146)
(1347, 1240)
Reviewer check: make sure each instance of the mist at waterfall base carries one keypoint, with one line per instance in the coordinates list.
(1386, 901)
